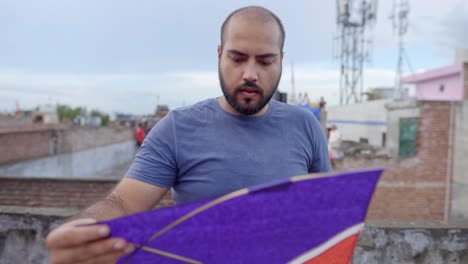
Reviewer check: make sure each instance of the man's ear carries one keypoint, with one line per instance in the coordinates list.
(220, 52)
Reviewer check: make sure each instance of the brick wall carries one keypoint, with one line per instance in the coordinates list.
(29, 143)
(23, 145)
(413, 189)
(47, 193)
(12, 121)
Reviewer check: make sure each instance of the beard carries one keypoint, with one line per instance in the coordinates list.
(249, 109)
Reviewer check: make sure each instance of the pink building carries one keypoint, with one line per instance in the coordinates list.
(443, 84)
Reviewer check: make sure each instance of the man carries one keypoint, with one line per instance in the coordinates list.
(214, 147)
(140, 134)
(334, 142)
(322, 103)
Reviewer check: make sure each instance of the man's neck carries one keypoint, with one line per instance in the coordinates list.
(228, 108)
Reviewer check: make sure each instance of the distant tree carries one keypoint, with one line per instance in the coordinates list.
(104, 117)
(105, 120)
(78, 111)
(66, 112)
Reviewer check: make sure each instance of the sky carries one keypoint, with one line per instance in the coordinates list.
(128, 56)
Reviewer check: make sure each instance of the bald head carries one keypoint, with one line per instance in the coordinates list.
(253, 14)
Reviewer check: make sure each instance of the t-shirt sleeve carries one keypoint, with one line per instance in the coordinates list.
(321, 159)
(155, 163)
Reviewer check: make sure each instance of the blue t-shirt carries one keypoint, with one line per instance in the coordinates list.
(202, 151)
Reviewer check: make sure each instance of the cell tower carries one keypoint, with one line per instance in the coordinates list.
(354, 19)
(399, 18)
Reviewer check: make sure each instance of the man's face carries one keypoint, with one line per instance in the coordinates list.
(250, 64)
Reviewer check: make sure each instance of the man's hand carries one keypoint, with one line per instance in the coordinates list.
(75, 243)
(71, 243)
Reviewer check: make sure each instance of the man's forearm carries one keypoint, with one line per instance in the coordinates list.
(110, 207)
(128, 197)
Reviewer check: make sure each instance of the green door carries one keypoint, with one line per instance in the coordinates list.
(408, 135)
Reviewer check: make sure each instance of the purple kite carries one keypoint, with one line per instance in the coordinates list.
(304, 219)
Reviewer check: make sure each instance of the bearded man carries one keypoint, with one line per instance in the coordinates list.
(214, 147)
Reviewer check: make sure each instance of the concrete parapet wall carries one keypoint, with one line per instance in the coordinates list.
(22, 239)
(83, 138)
(418, 245)
(83, 164)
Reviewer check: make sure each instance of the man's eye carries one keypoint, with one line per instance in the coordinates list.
(237, 59)
(265, 63)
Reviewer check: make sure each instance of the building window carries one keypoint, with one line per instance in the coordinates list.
(408, 135)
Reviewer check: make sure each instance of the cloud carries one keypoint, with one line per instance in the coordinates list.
(435, 29)
(86, 36)
(454, 26)
(318, 81)
(136, 93)
(197, 79)
(139, 93)
(441, 24)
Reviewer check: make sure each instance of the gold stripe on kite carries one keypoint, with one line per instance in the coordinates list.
(324, 175)
(310, 177)
(170, 255)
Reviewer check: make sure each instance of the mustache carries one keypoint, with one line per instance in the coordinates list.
(251, 85)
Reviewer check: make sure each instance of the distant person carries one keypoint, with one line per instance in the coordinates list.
(140, 134)
(305, 100)
(299, 100)
(334, 142)
(212, 148)
(322, 103)
(147, 127)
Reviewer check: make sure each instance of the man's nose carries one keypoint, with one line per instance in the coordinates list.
(250, 73)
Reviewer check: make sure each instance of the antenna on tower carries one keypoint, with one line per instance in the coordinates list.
(293, 86)
(354, 20)
(399, 17)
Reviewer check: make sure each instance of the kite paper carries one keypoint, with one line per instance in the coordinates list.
(305, 219)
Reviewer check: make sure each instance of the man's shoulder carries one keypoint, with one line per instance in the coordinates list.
(291, 110)
(196, 109)
(295, 116)
(187, 116)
